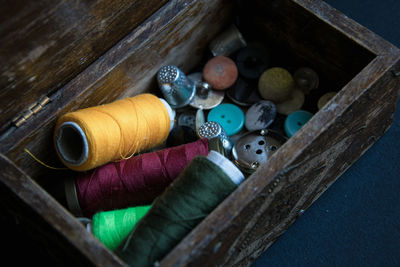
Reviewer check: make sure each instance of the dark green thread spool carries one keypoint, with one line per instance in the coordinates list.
(203, 184)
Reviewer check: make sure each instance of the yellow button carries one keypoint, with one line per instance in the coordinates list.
(293, 103)
(276, 84)
(325, 99)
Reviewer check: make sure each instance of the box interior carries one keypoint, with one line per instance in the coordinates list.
(295, 37)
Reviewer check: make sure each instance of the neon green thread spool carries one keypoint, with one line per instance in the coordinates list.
(111, 227)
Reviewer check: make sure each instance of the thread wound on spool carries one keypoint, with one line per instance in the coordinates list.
(176, 212)
(111, 227)
(135, 181)
(111, 132)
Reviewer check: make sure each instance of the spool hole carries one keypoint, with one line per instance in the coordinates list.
(71, 144)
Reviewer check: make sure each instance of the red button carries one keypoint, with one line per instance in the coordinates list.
(220, 72)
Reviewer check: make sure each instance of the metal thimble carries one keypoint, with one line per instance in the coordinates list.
(178, 90)
(212, 129)
(227, 42)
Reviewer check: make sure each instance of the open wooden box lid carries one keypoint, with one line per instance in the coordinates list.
(83, 55)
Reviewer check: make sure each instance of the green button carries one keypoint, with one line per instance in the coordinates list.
(229, 116)
(295, 121)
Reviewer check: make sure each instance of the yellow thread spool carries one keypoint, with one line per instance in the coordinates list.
(94, 136)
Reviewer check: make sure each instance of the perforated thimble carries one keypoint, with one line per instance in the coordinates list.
(212, 129)
(178, 90)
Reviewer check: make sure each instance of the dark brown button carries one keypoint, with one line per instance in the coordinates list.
(276, 84)
(306, 79)
(220, 72)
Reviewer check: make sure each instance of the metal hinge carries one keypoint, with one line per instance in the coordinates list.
(32, 110)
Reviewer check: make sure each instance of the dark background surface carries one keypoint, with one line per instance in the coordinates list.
(356, 222)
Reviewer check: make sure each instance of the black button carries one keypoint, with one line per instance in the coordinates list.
(180, 135)
(252, 60)
(244, 93)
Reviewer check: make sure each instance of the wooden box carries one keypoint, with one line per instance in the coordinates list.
(58, 57)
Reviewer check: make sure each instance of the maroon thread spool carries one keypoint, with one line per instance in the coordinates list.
(131, 182)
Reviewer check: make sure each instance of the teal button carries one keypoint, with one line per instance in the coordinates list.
(229, 116)
(295, 121)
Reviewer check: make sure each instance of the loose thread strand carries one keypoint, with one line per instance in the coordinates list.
(42, 163)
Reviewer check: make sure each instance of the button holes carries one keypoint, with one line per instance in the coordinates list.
(223, 116)
(247, 147)
(261, 142)
(299, 123)
(259, 151)
(255, 164)
(228, 121)
(272, 148)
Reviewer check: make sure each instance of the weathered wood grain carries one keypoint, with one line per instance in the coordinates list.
(294, 177)
(347, 55)
(44, 44)
(46, 223)
(178, 34)
(302, 169)
(288, 25)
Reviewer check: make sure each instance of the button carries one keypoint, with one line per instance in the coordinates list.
(293, 103)
(276, 84)
(220, 72)
(252, 60)
(295, 121)
(306, 79)
(188, 119)
(229, 116)
(255, 148)
(243, 93)
(180, 135)
(260, 115)
(200, 119)
(212, 129)
(278, 124)
(325, 99)
(205, 97)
